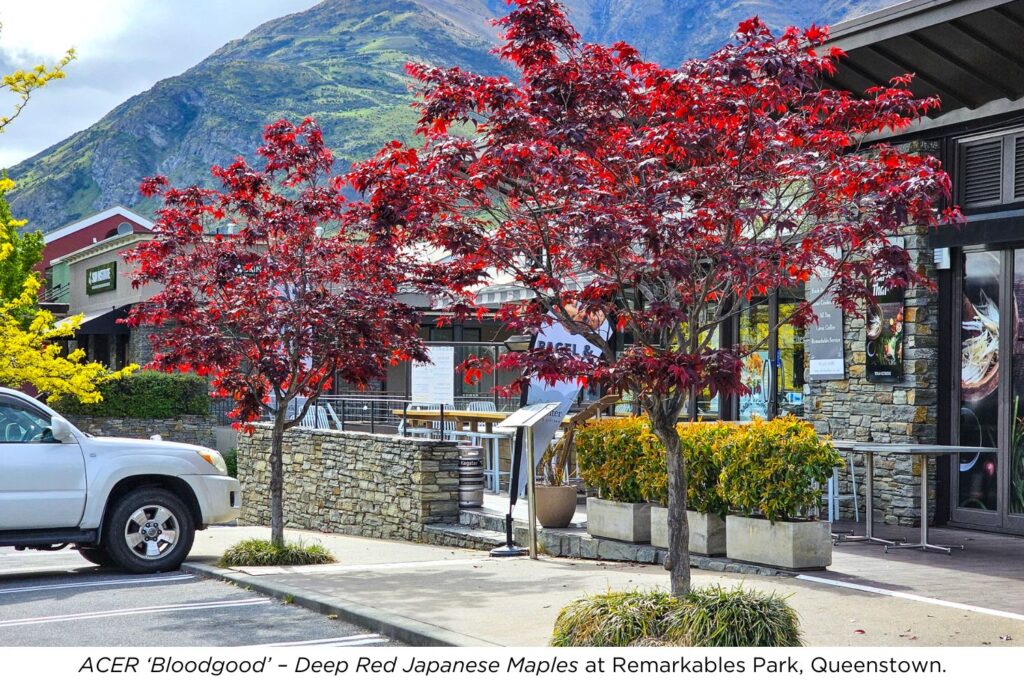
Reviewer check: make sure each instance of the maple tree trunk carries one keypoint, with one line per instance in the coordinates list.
(277, 482)
(678, 560)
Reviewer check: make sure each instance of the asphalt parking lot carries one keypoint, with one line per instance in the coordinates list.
(57, 598)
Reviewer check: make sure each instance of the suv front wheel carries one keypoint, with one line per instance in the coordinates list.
(150, 530)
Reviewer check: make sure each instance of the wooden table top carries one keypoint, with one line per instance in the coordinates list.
(481, 415)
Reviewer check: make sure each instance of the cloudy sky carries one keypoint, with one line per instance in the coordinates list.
(123, 46)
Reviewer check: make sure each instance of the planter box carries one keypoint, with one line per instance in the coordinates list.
(787, 545)
(630, 522)
(707, 532)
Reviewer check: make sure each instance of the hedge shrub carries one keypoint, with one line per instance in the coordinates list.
(145, 394)
(776, 468)
(624, 461)
(773, 469)
(705, 617)
(613, 459)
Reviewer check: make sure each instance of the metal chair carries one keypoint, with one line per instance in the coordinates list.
(491, 442)
(316, 418)
(832, 495)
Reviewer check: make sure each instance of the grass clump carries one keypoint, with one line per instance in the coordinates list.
(614, 619)
(722, 617)
(260, 553)
(707, 617)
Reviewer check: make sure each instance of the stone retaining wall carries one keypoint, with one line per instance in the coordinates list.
(194, 429)
(352, 483)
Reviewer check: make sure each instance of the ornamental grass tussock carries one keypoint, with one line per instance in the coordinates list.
(707, 617)
(262, 553)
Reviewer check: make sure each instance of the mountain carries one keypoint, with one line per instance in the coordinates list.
(341, 62)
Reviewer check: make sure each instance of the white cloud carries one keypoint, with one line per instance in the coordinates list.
(47, 29)
(123, 47)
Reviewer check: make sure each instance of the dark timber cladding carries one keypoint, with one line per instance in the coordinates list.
(968, 52)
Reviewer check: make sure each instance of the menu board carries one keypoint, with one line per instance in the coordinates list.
(824, 341)
(434, 382)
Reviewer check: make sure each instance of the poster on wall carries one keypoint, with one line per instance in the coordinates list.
(884, 330)
(824, 340)
(434, 382)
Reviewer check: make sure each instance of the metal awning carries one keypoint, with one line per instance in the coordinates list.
(105, 322)
(968, 52)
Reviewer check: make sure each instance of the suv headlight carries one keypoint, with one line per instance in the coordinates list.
(214, 458)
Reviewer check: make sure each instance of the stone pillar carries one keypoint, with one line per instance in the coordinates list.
(905, 412)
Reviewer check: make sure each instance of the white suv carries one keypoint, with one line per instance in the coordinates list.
(133, 503)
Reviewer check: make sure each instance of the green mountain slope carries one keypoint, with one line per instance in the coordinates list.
(342, 63)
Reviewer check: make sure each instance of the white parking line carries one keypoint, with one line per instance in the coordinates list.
(345, 568)
(372, 641)
(341, 641)
(28, 621)
(911, 596)
(90, 584)
(28, 569)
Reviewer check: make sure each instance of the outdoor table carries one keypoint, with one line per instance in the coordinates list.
(465, 420)
(924, 451)
(467, 423)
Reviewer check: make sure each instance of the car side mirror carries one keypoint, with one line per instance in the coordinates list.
(61, 430)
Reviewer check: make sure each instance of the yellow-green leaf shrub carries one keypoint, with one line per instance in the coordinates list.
(776, 468)
(611, 457)
(624, 460)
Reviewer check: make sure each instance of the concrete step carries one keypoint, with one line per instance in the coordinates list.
(463, 536)
(484, 530)
(492, 521)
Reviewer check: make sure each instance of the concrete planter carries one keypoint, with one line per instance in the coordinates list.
(707, 532)
(787, 545)
(630, 522)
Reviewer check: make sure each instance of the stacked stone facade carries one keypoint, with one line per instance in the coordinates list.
(905, 412)
(352, 483)
(194, 429)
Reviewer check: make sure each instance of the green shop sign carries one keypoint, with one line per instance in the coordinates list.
(101, 278)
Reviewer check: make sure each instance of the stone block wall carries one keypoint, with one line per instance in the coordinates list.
(194, 429)
(905, 412)
(372, 485)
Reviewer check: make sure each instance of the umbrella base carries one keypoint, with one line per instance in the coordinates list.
(508, 551)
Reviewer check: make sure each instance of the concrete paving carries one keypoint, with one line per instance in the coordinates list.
(59, 599)
(515, 602)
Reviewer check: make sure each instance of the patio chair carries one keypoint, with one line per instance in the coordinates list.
(419, 432)
(316, 418)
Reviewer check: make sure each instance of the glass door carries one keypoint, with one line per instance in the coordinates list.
(1014, 470)
(988, 489)
(975, 494)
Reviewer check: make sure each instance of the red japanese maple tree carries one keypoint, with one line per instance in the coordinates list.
(661, 199)
(274, 285)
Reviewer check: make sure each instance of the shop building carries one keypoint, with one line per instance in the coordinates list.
(87, 273)
(944, 366)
